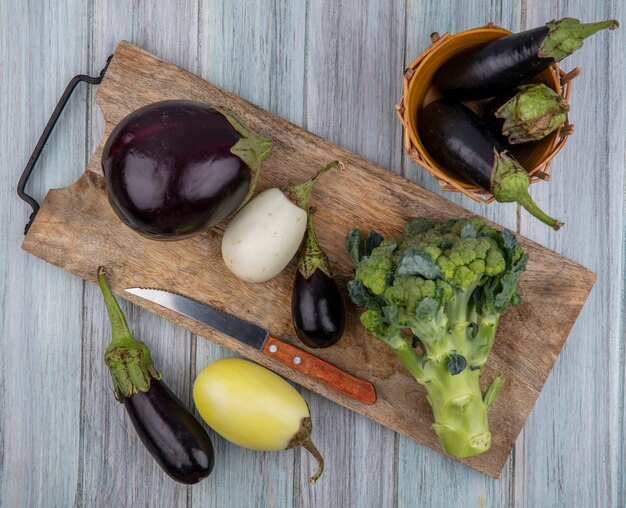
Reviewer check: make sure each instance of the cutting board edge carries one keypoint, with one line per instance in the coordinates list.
(230, 344)
(361, 161)
(587, 284)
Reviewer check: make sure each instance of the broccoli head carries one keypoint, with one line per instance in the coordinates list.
(445, 284)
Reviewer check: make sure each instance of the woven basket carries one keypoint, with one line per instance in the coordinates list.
(418, 90)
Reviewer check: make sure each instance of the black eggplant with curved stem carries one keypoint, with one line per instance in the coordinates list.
(317, 309)
(462, 143)
(505, 63)
(176, 168)
(172, 435)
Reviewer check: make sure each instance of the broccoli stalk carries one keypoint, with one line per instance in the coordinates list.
(443, 286)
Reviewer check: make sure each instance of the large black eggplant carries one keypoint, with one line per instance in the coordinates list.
(505, 63)
(317, 308)
(172, 435)
(175, 168)
(461, 142)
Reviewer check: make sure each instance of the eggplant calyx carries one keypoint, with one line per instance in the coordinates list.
(312, 257)
(127, 358)
(567, 35)
(131, 368)
(533, 113)
(299, 194)
(510, 182)
(251, 148)
(303, 438)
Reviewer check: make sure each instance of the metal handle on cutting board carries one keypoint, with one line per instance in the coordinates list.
(30, 165)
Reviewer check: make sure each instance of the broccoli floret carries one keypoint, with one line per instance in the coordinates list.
(405, 291)
(464, 276)
(463, 251)
(482, 247)
(374, 323)
(477, 266)
(376, 271)
(445, 283)
(432, 250)
(446, 266)
(494, 261)
(444, 291)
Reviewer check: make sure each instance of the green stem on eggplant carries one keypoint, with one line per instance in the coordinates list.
(510, 182)
(312, 257)
(492, 69)
(127, 358)
(303, 439)
(251, 148)
(299, 193)
(531, 114)
(568, 34)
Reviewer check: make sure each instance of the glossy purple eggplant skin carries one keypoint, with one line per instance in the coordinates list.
(490, 119)
(169, 170)
(494, 68)
(172, 435)
(317, 310)
(495, 125)
(459, 140)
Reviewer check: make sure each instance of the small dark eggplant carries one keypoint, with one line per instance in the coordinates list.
(505, 63)
(527, 113)
(172, 435)
(176, 168)
(461, 142)
(317, 309)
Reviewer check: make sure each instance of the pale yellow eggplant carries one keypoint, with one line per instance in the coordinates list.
(254, 408)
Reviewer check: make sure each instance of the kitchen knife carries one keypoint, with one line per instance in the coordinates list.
(259, 338)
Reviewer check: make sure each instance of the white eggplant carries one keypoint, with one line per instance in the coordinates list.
(265, 235)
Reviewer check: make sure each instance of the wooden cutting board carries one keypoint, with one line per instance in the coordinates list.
(77, 230)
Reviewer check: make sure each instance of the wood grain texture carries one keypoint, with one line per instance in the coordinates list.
(117, 470)
(438, 485)
(360, 390)
(568, 453)
(266, 39)
(72, 219)
(359, 44)
(571, 451)
(450, 16)
(40, 307)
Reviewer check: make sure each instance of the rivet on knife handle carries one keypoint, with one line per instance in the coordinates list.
(320, 370)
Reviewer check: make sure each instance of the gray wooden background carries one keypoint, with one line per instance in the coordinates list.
(334, 68)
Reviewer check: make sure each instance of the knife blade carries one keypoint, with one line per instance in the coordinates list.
(260, 339)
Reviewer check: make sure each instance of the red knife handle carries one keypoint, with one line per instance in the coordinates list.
(320, 370)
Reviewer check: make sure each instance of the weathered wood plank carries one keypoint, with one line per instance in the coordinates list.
(256, 50)
(424, 18)
(569, 453)
(243, 478)
(40, 306)
(354, 54)
(117, 468)
(426, 478)
(555, 288)
(550, 455)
